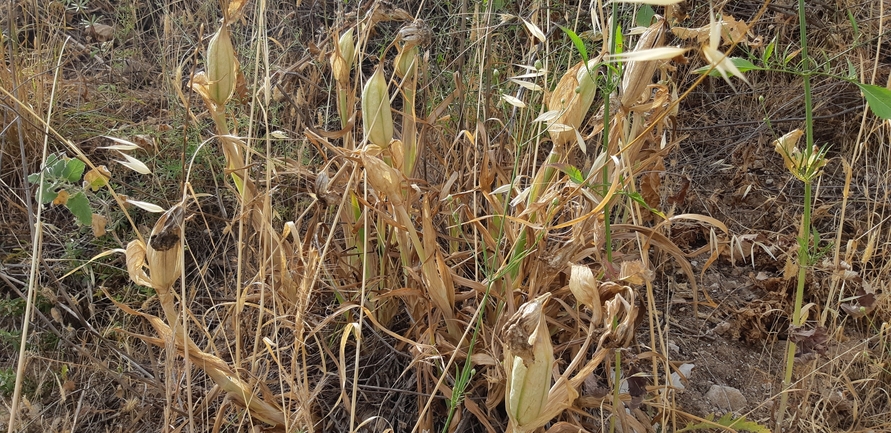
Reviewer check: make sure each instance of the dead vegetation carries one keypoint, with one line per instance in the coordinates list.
(453, 217)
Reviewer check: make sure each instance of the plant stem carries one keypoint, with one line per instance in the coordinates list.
(610, 72)
(805, 231)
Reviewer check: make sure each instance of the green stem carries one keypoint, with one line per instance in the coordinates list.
(805, 231)
(618, 408)
(610, 74)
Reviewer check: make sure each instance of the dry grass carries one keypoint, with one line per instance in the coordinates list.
(303, 279)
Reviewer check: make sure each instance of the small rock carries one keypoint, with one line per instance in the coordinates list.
(727, 398)
(686, 370)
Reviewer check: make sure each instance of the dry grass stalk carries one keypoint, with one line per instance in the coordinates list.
(163, 257)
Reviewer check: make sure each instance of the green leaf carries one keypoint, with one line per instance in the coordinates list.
(55, 166)
(74, 169)
(575, 175)
(639, 199)
(33, 177)
(620, 41)
(79, 205)
(738, 424)
(49, 192)
(768, 52)
(645, 15)
(577, 41)
(854, 25)
(878, 98)
(742, 64)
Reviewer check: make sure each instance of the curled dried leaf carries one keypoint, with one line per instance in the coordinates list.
(383, 178)
(585, 288)
(135, 261)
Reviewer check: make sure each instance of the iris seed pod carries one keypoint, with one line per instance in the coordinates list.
(529, 359)
(342, 59)
(377, 121)
(221, 67)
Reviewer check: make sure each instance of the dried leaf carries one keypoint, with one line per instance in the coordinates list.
(527, 85)
(235, 10)
(734, 31)
(61, 197)
(101, 32)
(221, 67)
(135, 261)
(809, 342)
(700, 34)
(98, 225)
(535, 31)
(134, 164)
(97, 178)
(863, 304)
(146, 206)
(513, 101)
(634, 272)
(121, 144)
(585, 288)
(660, 53)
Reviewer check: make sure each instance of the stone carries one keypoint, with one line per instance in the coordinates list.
(726, 398)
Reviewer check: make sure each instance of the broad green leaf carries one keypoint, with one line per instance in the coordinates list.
(49, 192)
(742, 64)
(878, 98)
(577, 41)
(56, 167)
(620, 41)
(33, 177)
(645, 15)
(852, 70)
(79, 205)
(854, 25)
(50, 160)
(74, 169)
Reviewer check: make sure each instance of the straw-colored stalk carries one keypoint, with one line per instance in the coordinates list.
(388, 181)
(163, 256)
